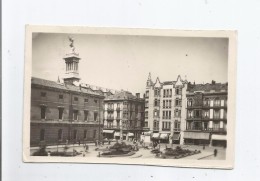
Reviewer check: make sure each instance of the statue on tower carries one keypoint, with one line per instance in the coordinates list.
(71, 44)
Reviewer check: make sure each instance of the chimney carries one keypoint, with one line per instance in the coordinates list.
(213, 82)
(137, 95)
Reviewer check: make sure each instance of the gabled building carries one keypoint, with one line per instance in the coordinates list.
(206, 118)
(165, 109)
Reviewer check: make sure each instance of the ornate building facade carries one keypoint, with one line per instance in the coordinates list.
(123, 116)
(165, 109)
(206, 118)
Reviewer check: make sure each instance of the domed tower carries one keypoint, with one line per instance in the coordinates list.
(72, 62)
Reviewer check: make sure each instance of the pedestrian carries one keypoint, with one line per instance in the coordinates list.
(86, 148)
(215, 152)
(79, 142)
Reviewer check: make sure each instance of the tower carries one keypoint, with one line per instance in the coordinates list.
(72, 62)
(149, 82)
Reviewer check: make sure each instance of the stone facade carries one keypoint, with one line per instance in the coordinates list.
(165, 109)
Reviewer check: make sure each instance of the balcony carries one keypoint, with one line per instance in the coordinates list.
(110, 118)
(156, 128)
(177, 129)
(111, 127)
(166, 129)
(211, 130)
(110, 109)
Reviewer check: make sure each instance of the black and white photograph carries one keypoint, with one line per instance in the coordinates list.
(129, 96)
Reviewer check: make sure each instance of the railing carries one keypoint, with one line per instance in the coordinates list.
(215, 130)
(110, 118)
(111, 127)
(166, 129)
(156, 128)
(176, 129)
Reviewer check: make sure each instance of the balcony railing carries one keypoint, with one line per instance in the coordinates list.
(214, 130)
(111, 127)
(110, 118)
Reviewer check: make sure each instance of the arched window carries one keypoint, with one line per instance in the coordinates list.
(177, 102)
(190, 102)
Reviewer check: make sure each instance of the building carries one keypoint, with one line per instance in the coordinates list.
(123, 116)
(206, 118)
(66, 111)
(165, 109)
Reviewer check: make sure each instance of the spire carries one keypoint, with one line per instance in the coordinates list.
(58, 79)
(149, 81)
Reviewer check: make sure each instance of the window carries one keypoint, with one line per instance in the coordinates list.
(85, 115)
(163, 114)
(75, 134)
(166, 125)
(75, 114)
(95, 101)
(206, 114)
(60, 96)
(205, 126)
(94, 133)
(146, 124)
(216, 114)
(166, 114)
(170, 93)
(206, 102)
(189, 114)
(170, 103)
(76, 98)
(197, 113)
(43, 112)
(163, 104)
(216, 126)
(177, 125)
(60, 134)
(146, 114)
(42, 134)
(155, 102)
(61, 113)
(43, 94)
(164, 93)
(177, 102)
(190, 102)
(86, 100)
(177, 113)
(167, 92)
(147, 94)
(95, 116)
(146, 103)
(85, 134)
(217, 102)
(170, 114)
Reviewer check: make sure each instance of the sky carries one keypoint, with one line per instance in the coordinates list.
(124, 62)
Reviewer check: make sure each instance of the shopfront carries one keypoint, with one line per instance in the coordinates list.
(196, 138)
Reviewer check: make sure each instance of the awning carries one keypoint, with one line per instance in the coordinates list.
(108, 131)
(130, 134)
(196, 135)
(164, 136)
(176, 136)
(218, 137)
(117, 134)
(156, 135)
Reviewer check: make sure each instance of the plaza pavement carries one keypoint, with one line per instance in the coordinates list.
(206, 154)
